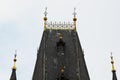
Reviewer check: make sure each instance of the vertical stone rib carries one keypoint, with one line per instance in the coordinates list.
(44, 56)
(78, 64)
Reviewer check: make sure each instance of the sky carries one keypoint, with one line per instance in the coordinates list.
(21, 28)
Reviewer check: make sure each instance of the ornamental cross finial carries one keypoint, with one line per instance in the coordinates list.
(15, 53)
(45, 13)
(74, 12)
(111, 55)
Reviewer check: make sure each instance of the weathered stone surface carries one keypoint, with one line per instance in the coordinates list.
(49, 60)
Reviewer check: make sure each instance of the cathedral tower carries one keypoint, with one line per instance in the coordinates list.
(60, 55)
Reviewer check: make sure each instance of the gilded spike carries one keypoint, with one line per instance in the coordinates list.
(60, 36)
(112, 62)
(14, 66)
(62, 69)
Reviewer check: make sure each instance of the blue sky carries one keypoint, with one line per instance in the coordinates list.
(21, 27)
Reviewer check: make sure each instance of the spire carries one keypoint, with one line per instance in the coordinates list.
(74, 19)
(45, 18)
(14, 66)
(13, 75)
(113, 68)
(53, 53)
(112, 62)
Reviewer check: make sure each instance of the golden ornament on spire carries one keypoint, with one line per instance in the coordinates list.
(112, 62)
(45, 18)
(14, 66)
(74, 19)
(60, 36)
(62, 69)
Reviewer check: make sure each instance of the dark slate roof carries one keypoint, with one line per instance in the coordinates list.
(114, 75)
(49, 60)
(13, 75)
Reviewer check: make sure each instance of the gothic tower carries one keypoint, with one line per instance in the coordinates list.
(60, 55)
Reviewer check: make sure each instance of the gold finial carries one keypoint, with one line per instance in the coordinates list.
(60, 36)
(74, 19)
(45, 18)
(14, 66)
(112, 62)
(62, 69)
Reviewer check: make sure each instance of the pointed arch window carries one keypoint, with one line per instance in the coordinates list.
(61, 46)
